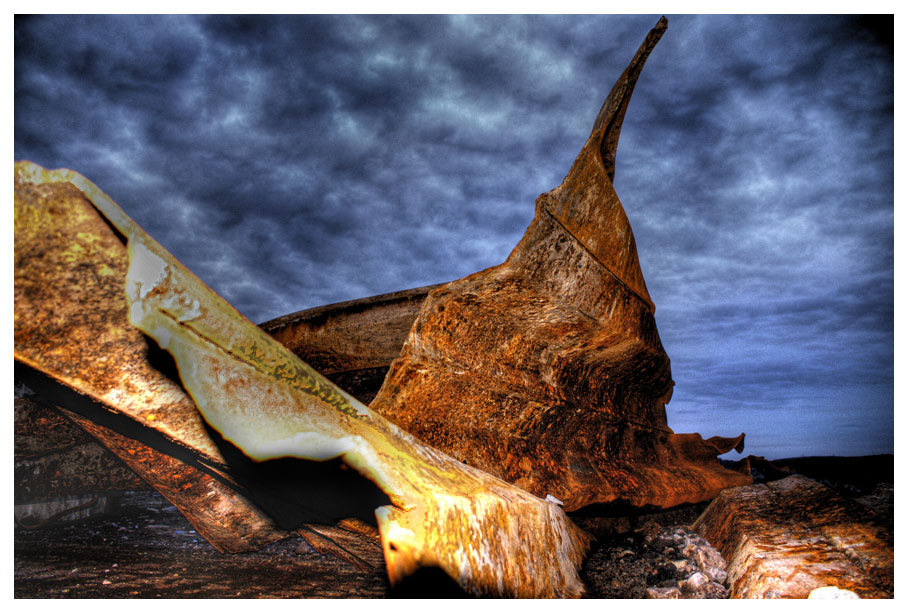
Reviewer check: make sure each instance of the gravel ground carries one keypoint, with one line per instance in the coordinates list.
(149, 550)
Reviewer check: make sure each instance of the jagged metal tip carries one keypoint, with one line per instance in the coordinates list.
(611, 115)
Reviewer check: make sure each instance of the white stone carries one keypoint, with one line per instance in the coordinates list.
(831, 591)
(694, 582)
(663, 592)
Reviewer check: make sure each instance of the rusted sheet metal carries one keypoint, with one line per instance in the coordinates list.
(786, 538)
(488, 535)
(352, 343)
(70, 310)
(39, 430)
(54, 458)
(548, 371)
(218, 513)
(70, 321)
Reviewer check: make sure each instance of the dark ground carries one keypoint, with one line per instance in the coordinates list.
(855, 476)
(151, 551)
(147, 549)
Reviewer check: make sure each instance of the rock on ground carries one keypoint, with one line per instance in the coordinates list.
(661, 562)
(786, 538)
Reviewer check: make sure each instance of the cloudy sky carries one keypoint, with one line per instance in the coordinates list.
(292, 162)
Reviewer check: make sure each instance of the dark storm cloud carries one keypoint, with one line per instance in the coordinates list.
(762, 183)
(296, 161)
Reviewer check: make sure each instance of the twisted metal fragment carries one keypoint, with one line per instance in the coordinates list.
(491, 537)
(547, 370)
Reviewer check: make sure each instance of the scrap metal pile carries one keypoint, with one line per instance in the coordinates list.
(540, 378)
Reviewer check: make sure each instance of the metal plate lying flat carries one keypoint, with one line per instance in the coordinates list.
(547, 370)
(54, 458)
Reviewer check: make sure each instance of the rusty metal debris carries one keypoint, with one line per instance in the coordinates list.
(72, 323)
(791, 537)
(352, 343)
(55, 458)
(490, 536)
(547, 370)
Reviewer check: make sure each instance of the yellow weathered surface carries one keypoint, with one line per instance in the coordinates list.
(71, 324)
(488, 535)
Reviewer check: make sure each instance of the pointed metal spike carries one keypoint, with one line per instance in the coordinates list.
(611, 115)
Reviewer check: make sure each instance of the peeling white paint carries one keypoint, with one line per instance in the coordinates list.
(146, 270)
(181, 306)
(136, 313)
(311, 445)
(162, 335)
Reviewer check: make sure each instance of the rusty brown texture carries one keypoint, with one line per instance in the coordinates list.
(352, 343)
(785, 538)
(70, 320)
(70, 312)
(557, 348)
(489, 536)
(222, 516)
(39, 430)
(547, 370)
(54, 458)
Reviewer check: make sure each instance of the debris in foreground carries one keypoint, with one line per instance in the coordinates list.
(787, 538)
(488, 535)
(575, 372)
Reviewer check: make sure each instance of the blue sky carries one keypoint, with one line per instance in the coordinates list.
(292, 162)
